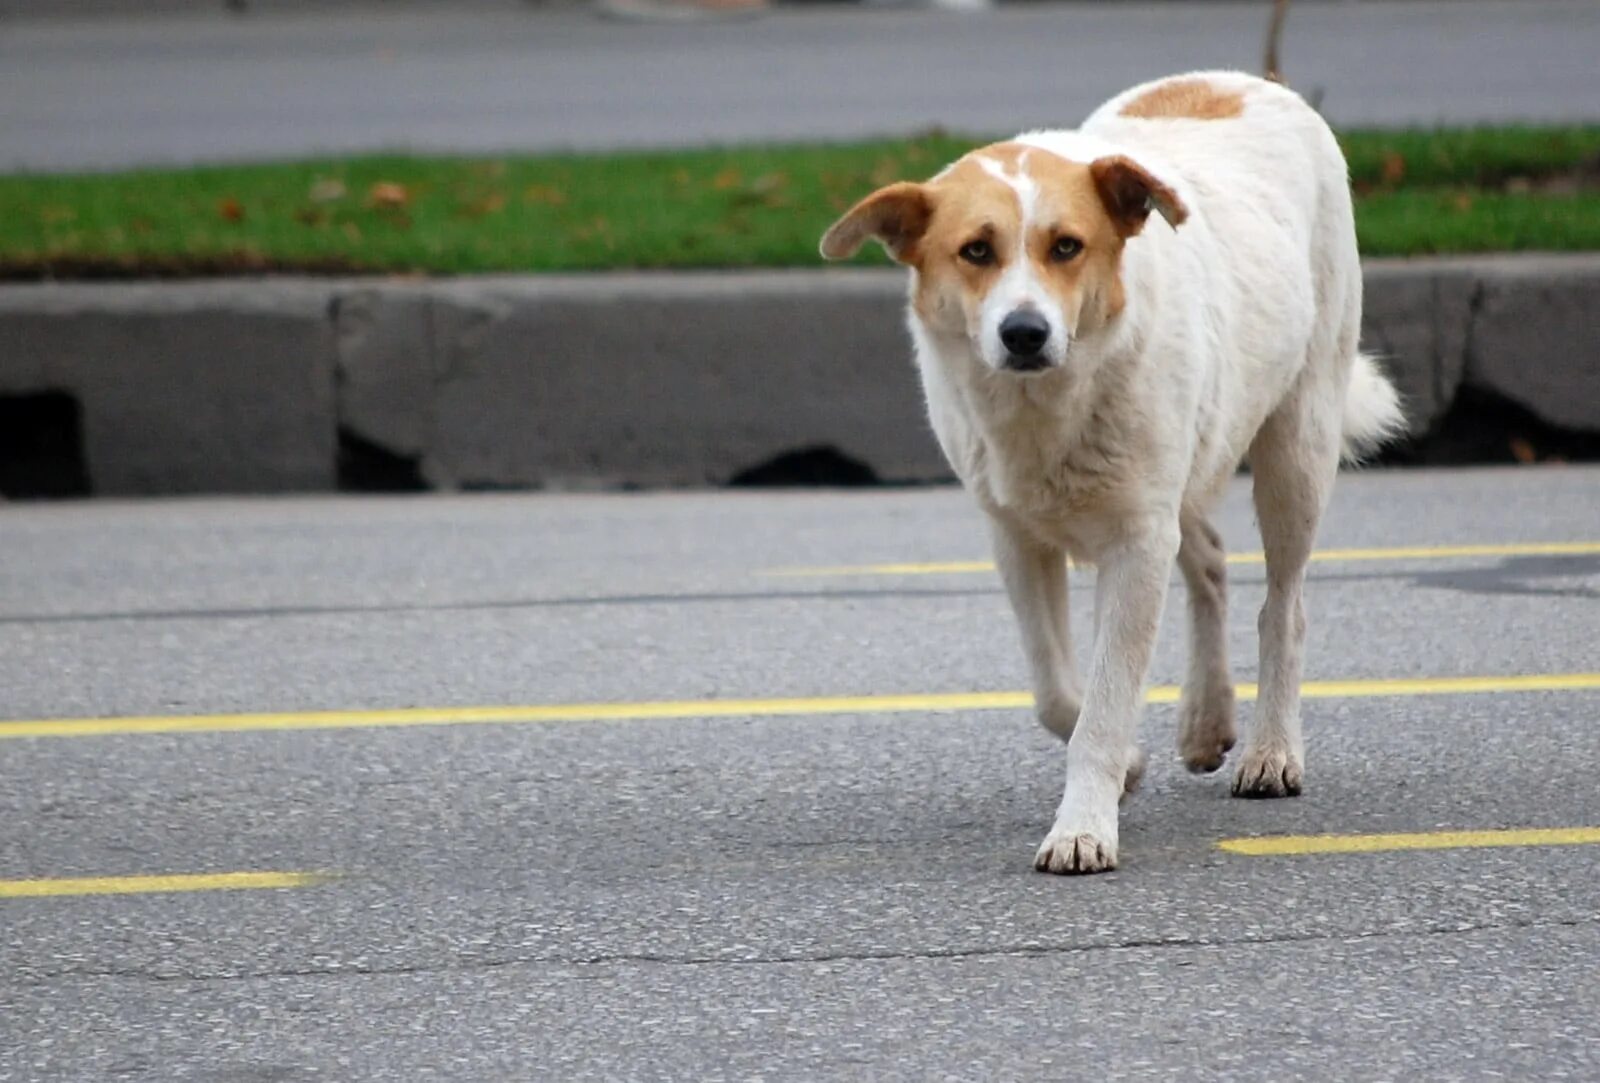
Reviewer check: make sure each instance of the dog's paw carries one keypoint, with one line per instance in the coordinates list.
(1068, 853)
(1268, 772)
(1206, 731)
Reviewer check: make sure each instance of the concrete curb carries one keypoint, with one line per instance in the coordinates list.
(635, 379)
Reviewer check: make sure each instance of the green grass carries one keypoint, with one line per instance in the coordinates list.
(1418, 192)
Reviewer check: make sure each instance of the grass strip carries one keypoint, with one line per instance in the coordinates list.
(1451, 191)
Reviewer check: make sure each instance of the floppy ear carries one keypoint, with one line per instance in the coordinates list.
(1130, 192)
(894, 216)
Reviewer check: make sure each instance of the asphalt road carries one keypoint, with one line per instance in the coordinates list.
(788, 889)
(111, 92)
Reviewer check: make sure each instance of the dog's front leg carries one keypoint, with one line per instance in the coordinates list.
(1103, 752)
(1035, 576)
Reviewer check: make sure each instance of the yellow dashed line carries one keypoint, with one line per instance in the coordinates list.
(149, 885)
(925, 703)
(1289, 845)
(1410, 552)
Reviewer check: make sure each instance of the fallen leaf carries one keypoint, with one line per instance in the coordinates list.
(886, 171)
(728, 178)
(493, 203)
(544, 194)
(230, 209)
(595, 227)
(1462, 202)
(388, 196)
(768, 183)
(1394, 167)
(326, 190)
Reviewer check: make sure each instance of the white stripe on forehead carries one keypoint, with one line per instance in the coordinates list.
(1019, 182)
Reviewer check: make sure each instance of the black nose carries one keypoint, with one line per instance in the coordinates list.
(1024, 332)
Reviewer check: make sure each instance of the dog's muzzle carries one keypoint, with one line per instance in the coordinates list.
(1024, 333)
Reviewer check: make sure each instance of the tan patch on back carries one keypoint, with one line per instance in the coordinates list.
(1195, 99)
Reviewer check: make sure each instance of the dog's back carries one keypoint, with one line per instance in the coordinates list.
(1269, 193)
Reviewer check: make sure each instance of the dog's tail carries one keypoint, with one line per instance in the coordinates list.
(1372, 415)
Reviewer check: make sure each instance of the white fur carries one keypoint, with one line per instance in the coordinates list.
(1238, 338)
(1019, 286)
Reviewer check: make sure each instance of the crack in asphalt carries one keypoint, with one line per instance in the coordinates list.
(1017, 951)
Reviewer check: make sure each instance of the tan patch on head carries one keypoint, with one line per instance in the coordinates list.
(1195, 99)
(972, 203)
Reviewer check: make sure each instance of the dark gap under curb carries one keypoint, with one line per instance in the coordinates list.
(368, 467)
(1484, 428)
(41, 446)
(821, 466)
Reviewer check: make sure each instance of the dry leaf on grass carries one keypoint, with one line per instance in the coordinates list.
(388, 196)
(326, 190)
(1394, 168)
(544, 195)
(492, 203)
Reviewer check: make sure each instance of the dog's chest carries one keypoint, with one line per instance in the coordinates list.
(1057, 479)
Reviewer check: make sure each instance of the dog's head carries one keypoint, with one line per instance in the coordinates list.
(1014, 246)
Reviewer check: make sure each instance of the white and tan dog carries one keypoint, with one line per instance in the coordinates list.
(1095, 378)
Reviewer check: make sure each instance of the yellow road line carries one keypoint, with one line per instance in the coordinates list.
(923, 703)
(1286, 845)
(1405, 552)
(148, 885)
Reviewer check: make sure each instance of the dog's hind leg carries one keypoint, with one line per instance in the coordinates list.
(1293, 459)
(1035, 576)
(1206, 708)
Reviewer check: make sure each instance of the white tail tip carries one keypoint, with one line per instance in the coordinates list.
(1372, 414)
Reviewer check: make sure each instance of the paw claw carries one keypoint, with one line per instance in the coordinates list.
(1268, 773)
(1067, 854)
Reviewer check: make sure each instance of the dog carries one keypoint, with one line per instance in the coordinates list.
(1108, 321)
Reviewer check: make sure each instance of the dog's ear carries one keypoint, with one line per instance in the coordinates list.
(1130, 193)
(895, 216)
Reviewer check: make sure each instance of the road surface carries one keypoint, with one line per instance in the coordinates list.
(108, 92)
(460, 794)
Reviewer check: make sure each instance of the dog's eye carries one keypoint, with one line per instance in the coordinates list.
(1065, 248)
(977, 253)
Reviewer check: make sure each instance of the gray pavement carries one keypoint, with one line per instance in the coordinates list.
(833, 894)
(107, 92)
